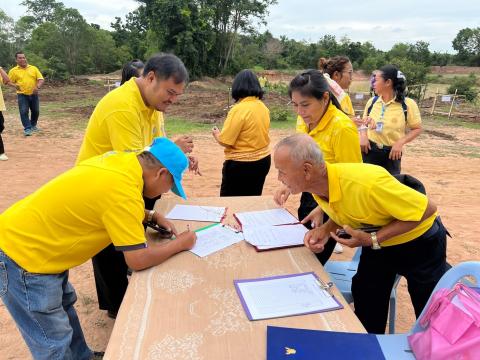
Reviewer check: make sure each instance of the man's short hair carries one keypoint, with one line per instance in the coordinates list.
(302, 149)
(166, 66)
(18, 53)
(150, 161)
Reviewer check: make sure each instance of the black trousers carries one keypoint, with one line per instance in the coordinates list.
(110, 272)
(421, 261)
(307, 204)
(2, 127)
(379, 157)
(244, 178)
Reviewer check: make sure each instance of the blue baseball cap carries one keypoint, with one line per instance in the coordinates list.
(173, 158)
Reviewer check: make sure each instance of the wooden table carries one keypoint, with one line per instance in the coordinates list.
(187, 307)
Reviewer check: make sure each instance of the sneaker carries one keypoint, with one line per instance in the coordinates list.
(35, 129)
(97, 355)
(3, 157)
(338, 248)
(27, 132)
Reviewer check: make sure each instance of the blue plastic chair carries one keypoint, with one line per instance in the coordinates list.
(341, 272)
(396, 346)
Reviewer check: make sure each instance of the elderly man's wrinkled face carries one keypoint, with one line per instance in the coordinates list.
(290, 173)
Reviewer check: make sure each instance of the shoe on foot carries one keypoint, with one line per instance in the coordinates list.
(27, 132)
(3, 157)
(112, 314)
(35, 129)
(97, 355)
(338, 248)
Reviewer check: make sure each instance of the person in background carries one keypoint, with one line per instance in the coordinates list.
(393, 120)
(55, 229)
(127, 119)
(320, 116)
(27, 80)
(410, 241)
(340, 70)
(3, 80)
(245, 137)
(263, 82)
(131, 69)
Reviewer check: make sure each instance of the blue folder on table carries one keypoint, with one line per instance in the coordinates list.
(299, 344)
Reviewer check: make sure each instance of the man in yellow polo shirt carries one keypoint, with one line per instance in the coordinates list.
(27, 80)
(70, 219)
(128, 118)
(411, 240)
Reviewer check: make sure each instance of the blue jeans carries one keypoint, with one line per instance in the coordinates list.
(26, 103)
(42, 307)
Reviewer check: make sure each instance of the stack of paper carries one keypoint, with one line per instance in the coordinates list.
(215, 237)
(271, 229)
(197, 213)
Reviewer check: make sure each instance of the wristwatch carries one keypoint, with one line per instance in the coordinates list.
(375, 244)
(150, 215)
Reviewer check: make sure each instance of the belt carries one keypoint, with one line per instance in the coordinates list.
(433, 229)
(374, 145)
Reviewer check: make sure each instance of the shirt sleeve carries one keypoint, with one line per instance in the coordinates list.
(124, 131)
(38, 74)
(346, 145)
(233, 126)
(414, 119)
(401, 202)
(12, 76)
(123, 222)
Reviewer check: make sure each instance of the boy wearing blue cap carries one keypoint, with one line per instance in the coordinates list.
(55, 229)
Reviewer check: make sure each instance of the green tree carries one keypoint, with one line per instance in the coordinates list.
(7, 50)
(467, 45)
(42, 10)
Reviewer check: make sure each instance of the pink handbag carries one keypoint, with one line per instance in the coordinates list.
(452, 326)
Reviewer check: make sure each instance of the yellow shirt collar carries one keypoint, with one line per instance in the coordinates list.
(248, 98)
(132, 85)
(389, 102)
(334, 192)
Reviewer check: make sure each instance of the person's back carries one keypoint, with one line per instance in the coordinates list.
(55, 228)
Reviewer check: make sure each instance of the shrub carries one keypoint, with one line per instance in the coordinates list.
(464, 86)
(279, 114)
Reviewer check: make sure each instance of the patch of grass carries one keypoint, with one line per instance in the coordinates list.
(453, 121)
(178, 125)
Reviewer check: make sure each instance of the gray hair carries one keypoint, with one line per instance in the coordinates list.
(302, 149)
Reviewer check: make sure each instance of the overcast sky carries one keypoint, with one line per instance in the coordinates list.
(436, 22)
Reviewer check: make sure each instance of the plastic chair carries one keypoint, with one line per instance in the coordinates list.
(341, 272)
(396, 346)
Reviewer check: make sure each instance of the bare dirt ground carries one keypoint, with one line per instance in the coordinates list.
(446, 159)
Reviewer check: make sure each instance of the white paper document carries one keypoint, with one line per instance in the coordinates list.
(197, 213)
(281, 296)
(265, 217)
(215, 237)
(267, 237)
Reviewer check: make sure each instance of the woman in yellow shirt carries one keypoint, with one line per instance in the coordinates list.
(340, 70)
(4, 79)
(388, 116)
(320, 116)
(245, 138)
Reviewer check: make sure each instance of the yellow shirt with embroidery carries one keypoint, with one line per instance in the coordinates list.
(246, 130)
(367, 195)
(26, 78)
(394, 125)
(121, 121)
(77, 214)
(2, 103)
(336, 135)
(347, 105)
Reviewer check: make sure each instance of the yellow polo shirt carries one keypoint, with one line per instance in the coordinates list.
(26, 78)
(394, 125)
(121, 121)
(77, 214)
(2, 103)
(347, 105)
(246, 130)
(336, 135)
(367, 195)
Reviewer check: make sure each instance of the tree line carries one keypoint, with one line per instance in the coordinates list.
(212, 37)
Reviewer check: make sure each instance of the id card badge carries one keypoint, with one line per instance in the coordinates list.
(379, 127)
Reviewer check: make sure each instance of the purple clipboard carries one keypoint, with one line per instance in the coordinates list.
(247, 310)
